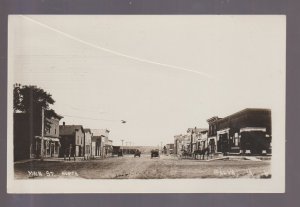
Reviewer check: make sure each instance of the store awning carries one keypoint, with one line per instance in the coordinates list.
(48, 138)
(54, 139)
(250, 129)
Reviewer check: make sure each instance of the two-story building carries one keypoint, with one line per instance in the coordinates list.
(72, 140)
(177, 144)
(197, 136)
(51, 139)
(212, 133)
(35, 137)
(170, 148)
(247, 131)
(202, 141)
(186, 142)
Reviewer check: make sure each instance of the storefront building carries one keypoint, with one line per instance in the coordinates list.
(245, 132)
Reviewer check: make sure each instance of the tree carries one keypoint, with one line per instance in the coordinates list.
(28, 97)
(31, 99)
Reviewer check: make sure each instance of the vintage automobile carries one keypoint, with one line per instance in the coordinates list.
(137, 153)
(154, 153)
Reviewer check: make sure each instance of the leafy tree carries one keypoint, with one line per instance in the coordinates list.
(31, 99)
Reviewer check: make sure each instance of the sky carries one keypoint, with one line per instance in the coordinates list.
(162, 74)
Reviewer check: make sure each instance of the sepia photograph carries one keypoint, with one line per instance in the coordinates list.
(146, 103)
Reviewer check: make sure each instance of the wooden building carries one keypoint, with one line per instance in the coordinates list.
(198, 137)
(178, 144)
(100, 142)
(30, 142)
(170, 148)
(72, 140)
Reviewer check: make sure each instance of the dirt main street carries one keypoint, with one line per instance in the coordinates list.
(143, 168)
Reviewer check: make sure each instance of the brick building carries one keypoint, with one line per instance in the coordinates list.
(247, 131)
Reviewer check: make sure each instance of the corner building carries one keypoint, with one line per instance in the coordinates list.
(245, 132)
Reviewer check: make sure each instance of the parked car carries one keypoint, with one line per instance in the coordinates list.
(154, 153)
(137, 153)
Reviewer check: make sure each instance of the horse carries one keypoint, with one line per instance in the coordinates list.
(201, 152)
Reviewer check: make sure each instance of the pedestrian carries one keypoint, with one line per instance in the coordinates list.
(207, 152)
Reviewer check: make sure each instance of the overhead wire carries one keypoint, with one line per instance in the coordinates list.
(80, 117)
(116, 52)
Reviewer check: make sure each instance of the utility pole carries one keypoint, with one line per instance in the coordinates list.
(126, 150)
(42, 135)
(31, 125)
(191, 142)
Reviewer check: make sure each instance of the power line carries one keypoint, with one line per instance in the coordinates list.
(115, 52)
(84, 109)
(80, 117)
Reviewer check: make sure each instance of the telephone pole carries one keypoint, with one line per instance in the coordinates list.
(31, 134)
(42, 136)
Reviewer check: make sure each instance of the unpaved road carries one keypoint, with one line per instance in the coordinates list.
(142, 168)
